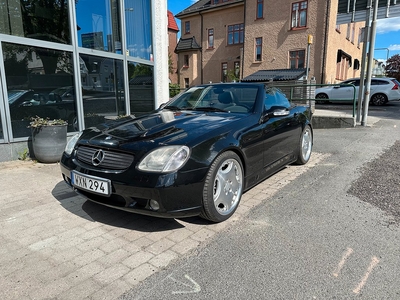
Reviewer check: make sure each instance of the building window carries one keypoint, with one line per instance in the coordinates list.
(296, 59)
(237, 70)
(353, 32)
(186, 83)
(258, 49)
(360, 37)
(260, 9)
(41, 20)
(224, 72)
(343, 65)
(138, 29)
(235, 34)
(348, 31)
(338, 28)
(43, 87)
(186, 61)
(299, 14)
(141, 88)
(99, 26)
(187, 27)
(211, 38)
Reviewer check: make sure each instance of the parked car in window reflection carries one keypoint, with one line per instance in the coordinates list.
(25, 104)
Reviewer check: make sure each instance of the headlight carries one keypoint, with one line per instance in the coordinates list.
(71, 143)
(165, 159)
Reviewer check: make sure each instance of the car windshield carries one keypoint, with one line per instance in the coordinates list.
(14, 95)
(216, 98)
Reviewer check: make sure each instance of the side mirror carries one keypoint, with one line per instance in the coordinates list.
(278, 112)
(26, 103)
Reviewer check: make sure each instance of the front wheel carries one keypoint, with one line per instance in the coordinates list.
(223, 187)
(305, 146)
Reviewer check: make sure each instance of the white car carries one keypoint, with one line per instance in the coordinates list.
(382, 90)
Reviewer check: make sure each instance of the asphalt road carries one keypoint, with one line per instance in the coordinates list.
(332, 233)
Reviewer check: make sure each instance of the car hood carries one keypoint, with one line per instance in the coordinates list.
(163, 127)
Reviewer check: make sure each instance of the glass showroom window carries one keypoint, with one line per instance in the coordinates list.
(141, 88)
(102, 88)
(99, 25)
(138, 29)
(39, 83)
(41, 20)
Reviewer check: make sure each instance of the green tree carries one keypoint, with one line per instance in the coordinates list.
(393, 66)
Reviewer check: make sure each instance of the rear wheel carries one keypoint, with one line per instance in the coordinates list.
(223, 187)
(305, 146)
(321, 98)
(379, 99)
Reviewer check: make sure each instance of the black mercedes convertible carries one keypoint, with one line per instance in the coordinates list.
(196, 155)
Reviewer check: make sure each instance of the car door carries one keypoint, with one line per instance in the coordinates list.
(345, 90)
(281, 131)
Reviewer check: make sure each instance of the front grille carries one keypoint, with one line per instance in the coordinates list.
(112, 160)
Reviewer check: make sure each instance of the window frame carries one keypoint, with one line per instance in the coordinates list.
(187, 27)
(210, 38)
(296, 15)
(236, 28)
(258, 43)
(186, 60)
(224, 72)
(297, 58)
(260, 9)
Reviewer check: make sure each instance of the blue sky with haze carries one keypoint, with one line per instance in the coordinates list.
(388, 30)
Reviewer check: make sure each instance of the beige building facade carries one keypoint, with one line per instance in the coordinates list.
(237, 38)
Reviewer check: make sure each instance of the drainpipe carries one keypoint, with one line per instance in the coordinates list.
(328, 10)
(201, 50)
(244, 42)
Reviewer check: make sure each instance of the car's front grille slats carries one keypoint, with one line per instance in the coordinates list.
(111, 159)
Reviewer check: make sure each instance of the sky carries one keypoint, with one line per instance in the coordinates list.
(387, 39)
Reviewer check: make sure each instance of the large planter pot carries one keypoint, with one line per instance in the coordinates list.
(48, 142)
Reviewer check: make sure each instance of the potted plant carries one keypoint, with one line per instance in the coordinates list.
(49, 138)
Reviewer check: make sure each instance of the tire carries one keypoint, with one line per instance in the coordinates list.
(321, 98)
(378, 99)
(305, 146)
(223, 187)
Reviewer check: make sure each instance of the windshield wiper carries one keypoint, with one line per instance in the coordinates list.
(210, 108)
(172, 107)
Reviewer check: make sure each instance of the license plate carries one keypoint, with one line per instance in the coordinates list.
(91, 183)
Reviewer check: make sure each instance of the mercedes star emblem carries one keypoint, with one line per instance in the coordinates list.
(98, 157)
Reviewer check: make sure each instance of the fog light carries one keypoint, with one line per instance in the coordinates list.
(154, 205)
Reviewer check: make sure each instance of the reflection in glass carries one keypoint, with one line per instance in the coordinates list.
(99, 25)
(141, 88)
(102, 88)
(35, 77)
(42, 20)
(138, 29)
(1, 130)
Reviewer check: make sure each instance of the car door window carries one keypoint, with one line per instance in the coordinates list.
(275, 100)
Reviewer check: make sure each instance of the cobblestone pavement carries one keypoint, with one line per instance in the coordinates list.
(56, 245)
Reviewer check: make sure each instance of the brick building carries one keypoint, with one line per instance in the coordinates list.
(233, 39)
(173, 30)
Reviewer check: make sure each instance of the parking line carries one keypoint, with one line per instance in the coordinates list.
(372, 265)
(343, 261)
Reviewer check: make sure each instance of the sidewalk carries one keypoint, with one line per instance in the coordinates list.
(55, 244)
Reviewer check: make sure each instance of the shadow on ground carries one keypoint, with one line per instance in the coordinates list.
(94, 212)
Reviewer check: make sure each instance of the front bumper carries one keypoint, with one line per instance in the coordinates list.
(177, 194)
